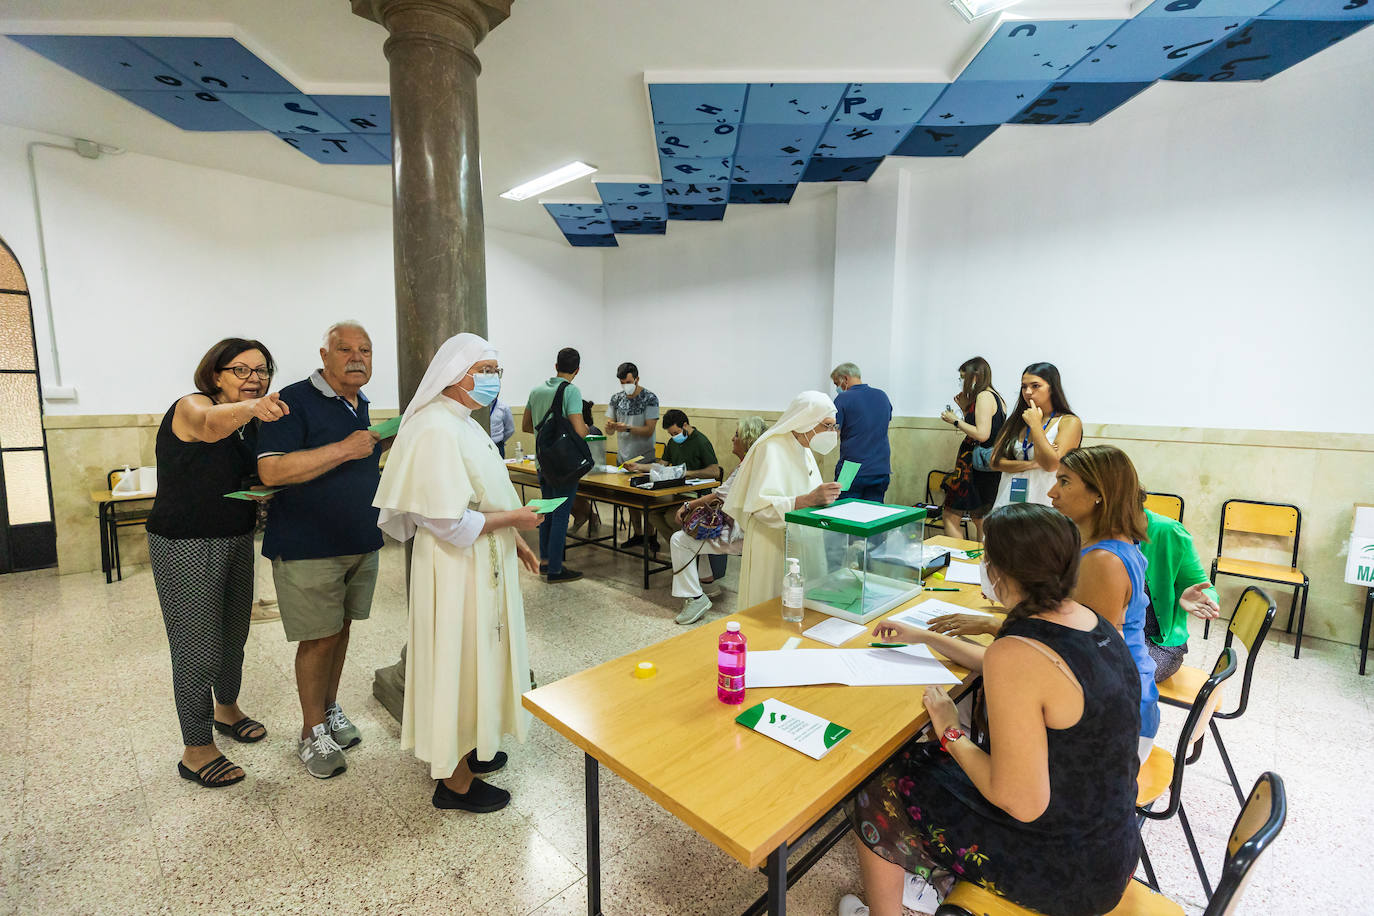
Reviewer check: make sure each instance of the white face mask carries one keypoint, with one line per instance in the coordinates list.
(628, 388)
(986, 581)
(823, 443)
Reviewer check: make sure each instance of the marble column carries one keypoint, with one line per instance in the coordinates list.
(437, 230)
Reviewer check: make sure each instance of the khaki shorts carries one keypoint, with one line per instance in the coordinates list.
(316, 596)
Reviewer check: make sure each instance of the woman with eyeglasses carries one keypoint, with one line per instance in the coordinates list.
(201, 546)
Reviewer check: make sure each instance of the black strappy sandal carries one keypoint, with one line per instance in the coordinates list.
(208, 775)
(239, 731)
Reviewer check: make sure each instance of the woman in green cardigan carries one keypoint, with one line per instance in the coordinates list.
(1178, 586)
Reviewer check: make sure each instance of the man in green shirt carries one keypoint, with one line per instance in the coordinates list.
(553, 533)
(687, 446)
(1178, 586)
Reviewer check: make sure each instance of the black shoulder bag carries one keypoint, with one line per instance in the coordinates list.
(563, 455)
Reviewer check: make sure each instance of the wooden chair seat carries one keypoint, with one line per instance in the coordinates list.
(1154, 777)
(1181, 688)
(1138, 900)
(1253, 569)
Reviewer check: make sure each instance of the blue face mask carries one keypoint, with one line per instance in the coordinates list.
(680, 438)
(485, 388)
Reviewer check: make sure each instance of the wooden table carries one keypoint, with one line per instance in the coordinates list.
(617, 490)
(108, 521)
(671, 738)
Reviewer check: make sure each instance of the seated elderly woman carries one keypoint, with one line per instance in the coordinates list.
(778, 475)
(688, 546)
(1042, 811)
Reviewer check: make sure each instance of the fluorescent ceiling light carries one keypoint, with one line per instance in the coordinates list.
(973, 9)
(570, 172)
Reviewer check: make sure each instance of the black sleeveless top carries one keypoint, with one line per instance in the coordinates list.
(192, 478)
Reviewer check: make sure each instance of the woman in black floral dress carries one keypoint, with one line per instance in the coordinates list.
(1044, 812)
(968, 491)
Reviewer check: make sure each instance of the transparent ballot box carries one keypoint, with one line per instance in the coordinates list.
(859, 559)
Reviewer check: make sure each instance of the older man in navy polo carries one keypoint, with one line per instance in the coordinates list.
(322, 535)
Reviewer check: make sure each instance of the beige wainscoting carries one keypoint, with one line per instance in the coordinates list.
(1324, 474)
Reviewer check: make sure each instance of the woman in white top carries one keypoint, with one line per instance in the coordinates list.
(1032, 440)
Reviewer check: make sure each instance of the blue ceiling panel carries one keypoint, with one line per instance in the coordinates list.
(942, 141)
(769, 170)
(283, 113)
(1037, 51)
(761, 193)
(886, 103)
(628, 192)
(361, 114)
(1147, 49)
(592, 241)
(778, 139)
(713, 171)
(380, 142)
(189, 110)
(216, 64)
(821, 169)
(1265, 47)
(1182, 9)
(1078, 103)
(575, 211)
(640, 227)
(792, 103)
(858, 141)
(336, 149)
(696, 211)
(696, 192)
(973, 102)
(694, 141)
(1321, 9)
(697, 103)
(583, 225)
(640, 210)
(114, 63)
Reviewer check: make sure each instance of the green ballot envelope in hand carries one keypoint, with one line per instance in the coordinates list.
(387, 428)
(545, 506)
(848, 471)
(252, 494)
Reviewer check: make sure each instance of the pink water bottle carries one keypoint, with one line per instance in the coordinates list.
(730, 665)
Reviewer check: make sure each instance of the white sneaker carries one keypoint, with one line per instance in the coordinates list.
(693, 609)
(321, 755)
(341, 728)
(852, 906)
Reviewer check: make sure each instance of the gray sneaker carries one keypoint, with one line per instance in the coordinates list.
(322, 757)
(693, 609)
(341, 728)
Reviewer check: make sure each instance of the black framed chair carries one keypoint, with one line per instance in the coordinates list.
(1276, 520)
(1249, 624)
(1258, 825)
(118, 516)
(935, 496)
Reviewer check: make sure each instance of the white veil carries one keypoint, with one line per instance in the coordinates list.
(449, 365)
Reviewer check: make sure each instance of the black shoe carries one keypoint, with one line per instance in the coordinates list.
(567, 575)
(480, 798)
(485, 766)
(633, 542)
(653, 545)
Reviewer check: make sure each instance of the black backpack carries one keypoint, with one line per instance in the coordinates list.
(563, 455)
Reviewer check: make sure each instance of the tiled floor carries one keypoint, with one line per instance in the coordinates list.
(94, 819)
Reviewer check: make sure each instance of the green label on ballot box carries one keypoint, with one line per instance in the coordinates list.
(545, 506)
(387, 428)
(796, 728)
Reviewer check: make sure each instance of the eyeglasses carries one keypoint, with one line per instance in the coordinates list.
(829, 428)
(245, 371)
(498, 372)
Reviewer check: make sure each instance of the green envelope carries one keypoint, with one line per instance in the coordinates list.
(251, 494)
(545, 506)
(848, 471)
(387, 428)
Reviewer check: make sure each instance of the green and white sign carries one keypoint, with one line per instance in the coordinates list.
(797, 729)
(1359, 565)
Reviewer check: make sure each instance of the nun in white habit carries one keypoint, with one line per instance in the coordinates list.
(778, 475)
(446, 486)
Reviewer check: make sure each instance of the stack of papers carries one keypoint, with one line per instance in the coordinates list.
(907, 666)
(834, 631)
(922, 614)
(967, 573)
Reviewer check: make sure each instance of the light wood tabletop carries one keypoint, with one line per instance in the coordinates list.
(109, 496)
(671, 738)
(617, 482)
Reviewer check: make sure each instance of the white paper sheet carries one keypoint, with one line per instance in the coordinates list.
(852, 667)
(922, 614)
(834, 631)
(859, 512)
(967, 573)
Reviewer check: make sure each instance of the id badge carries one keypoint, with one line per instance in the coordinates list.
(1019, 488)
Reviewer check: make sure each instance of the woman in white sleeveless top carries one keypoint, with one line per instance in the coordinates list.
(1028, 449)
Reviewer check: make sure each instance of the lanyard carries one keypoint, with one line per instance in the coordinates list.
(1025, 438)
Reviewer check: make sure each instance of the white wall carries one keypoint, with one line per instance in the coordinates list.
(733, 315)
(151, 261)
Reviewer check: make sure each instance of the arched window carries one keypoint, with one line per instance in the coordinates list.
(28, 537)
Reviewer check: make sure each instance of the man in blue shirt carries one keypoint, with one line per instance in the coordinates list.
(863, 414)
(322, 535)
(502, 424)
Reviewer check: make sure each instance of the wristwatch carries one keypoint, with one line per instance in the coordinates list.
(951, 734)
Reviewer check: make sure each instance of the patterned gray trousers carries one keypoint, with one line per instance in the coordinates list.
(205, 587)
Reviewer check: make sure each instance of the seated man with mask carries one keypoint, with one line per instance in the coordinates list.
(689, 447)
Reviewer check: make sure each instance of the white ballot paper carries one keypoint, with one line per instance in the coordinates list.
(910, 665)
(834, 632)
(967, 573)
(859, 512)
(922, 614)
